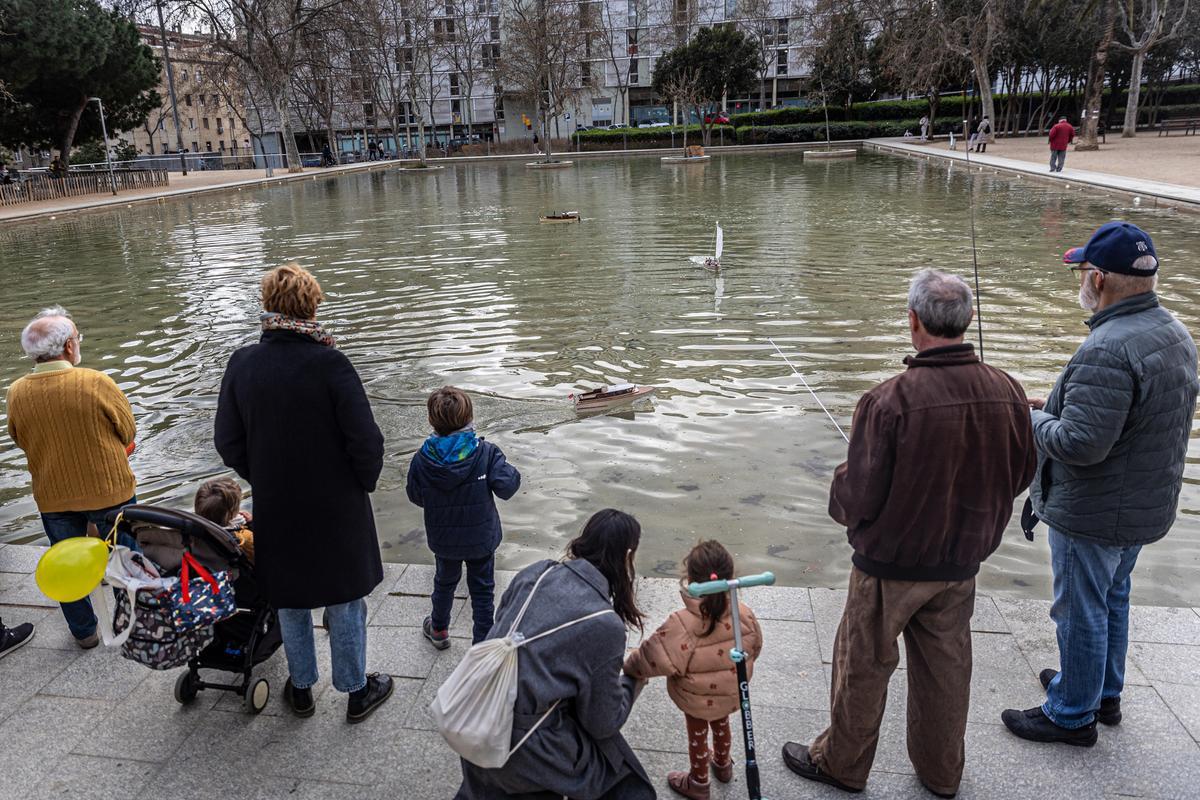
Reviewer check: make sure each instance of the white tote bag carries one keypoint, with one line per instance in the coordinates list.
(129, 571)
(473, 709)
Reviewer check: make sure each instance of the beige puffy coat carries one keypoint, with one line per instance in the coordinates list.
(701, 678)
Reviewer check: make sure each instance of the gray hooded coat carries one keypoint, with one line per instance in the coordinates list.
(578, 751)
(1113, 436)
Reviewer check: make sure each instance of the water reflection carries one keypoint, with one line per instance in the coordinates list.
(447, 277)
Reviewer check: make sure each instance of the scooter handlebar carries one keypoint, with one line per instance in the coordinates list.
(716, 587)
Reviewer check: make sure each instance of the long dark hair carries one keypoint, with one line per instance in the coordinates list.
(606, 542)
(709, 561)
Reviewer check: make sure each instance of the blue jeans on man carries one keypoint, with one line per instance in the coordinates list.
(1091, 612)
(347, 645)
(60, 525)
(481, 585)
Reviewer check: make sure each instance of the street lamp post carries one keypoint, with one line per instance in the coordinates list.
(166, 45)
(112, 179)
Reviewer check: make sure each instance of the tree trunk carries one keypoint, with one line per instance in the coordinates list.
(289, 138)
(68, 137)
(1129, 130)
(1094, 91)
(762, 91)
(986, 101)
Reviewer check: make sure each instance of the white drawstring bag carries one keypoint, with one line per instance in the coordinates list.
(132, 572)
(473, 709)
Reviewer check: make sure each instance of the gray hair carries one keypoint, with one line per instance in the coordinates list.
(47, 334)
(941, 301)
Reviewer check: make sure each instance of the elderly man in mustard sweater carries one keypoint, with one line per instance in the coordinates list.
(76, 429)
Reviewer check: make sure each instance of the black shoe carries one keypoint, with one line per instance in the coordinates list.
(14, 638)
(363, 702)
(1110, 707)
(299, 700)
(1034, 725)
(439, 639)
(798, 761)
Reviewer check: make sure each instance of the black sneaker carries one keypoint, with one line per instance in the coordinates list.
(363, 702)
(439, 639)
(299, 700)
(797, 759)
(1110, 707)
(1034, 725)
(14, 638)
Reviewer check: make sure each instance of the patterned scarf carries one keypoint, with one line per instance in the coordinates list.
(309, 327)
(452, 448)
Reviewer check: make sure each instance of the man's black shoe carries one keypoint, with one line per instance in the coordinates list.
(798, 761)
(14, 638)
(299, 700)
(378, 689)
(1110, 707)
(1034, 725)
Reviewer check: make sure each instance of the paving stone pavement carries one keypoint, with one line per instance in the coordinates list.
(92, 725)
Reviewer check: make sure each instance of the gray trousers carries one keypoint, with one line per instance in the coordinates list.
(1057, 159)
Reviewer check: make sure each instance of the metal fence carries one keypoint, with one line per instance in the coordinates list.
(31, 187)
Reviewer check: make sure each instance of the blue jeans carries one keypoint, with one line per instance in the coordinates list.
(60, 525)
(1091, 612)
(481, 584)
(347, 645)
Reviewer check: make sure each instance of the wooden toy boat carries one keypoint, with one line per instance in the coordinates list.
(561, 216)
(609, 396)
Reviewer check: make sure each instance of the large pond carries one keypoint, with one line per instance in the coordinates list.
(447, 278)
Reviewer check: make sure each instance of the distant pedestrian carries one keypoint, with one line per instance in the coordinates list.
(1061, 135)
(327, 159)
(372, 150)
(455, 477)
(1112, 446)
(981, 135)
(77, 430)
(916, 558)
(925, 128)
(57, 170)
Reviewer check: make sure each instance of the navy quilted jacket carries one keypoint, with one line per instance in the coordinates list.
(461, 521)
(1113, 436)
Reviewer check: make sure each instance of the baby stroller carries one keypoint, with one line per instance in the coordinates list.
(240, 642)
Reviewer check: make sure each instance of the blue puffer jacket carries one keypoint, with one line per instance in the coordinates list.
(461, 521)
(1113, 436)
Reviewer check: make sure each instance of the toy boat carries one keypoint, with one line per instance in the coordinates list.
(609, 396)
(561, 216)
(712, 262)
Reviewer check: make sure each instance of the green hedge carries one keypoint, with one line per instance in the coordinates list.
(1170, 112)
(855, 129)
(644, 136)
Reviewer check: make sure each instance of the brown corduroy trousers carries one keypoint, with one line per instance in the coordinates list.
(935, 619)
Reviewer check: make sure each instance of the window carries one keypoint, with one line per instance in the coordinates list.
(404, 56)
(499, 106)
(214, 101)
(232, 125)
(781, 31)
(199, 76)
(495, 26)
(631, 41)
(632, 13)
(191, 123)
(208, 146)
(585, 73)
(369, 113)
(490, 54)
(221, 145)
(195, 146)
(187, 99)
(781, 62)
(456, 110)
(633, 72)
(443, 30)
(449, 8)
(487, 7)
(205, 123)
(220, 125)
(183, 74)
(454, 90)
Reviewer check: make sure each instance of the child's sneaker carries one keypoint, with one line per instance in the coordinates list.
(439, 639)
(683, 783)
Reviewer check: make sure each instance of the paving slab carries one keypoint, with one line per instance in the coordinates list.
(789, 603)
(99, 674)
(789, 672)
(402, 652)
(22, 558)
(1164, 625)
(38, 734)
(1184, 703)
(94, 777)
(1169, 663)
(22, 590)
(25, 671)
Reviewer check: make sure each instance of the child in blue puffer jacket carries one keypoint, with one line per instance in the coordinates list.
(453, 477)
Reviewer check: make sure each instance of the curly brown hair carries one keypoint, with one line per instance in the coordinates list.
(218, 500)
(291, 290)
(450, 410)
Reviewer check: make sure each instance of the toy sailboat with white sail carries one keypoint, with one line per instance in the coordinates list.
(712, 262)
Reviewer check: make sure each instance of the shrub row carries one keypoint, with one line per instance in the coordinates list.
(815, 132)
(644, 137)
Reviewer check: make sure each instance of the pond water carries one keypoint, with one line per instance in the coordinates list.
(447, 278)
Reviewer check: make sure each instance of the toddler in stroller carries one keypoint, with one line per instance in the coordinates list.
(235, 644)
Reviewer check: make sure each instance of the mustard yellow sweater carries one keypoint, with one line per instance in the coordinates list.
(74, 425)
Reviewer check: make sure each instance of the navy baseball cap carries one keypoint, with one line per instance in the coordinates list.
(1114, 247)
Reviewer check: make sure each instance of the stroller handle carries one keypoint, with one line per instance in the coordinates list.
(716, 587)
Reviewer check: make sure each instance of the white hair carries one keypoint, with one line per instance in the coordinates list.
(943, 302)
(47, 334)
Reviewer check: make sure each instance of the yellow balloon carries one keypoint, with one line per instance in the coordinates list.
(69, 570)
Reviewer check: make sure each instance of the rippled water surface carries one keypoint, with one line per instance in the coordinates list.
(447, 277)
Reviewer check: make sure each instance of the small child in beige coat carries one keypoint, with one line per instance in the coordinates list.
(692, 650)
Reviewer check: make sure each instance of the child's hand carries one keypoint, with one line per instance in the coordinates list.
(246, 515)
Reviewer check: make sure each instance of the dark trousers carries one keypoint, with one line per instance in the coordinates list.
(935, 619)
(481, 584)
(60, 525)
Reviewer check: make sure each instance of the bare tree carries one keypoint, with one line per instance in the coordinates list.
(1150, 18)
(418, 55)
(264, 37)
(470, 53)
(616, 40)
(974, 29)
(769, 31)
(1094, 88)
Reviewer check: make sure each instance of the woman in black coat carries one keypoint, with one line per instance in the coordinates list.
(293, 420)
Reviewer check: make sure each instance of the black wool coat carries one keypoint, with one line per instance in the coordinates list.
(293, 420)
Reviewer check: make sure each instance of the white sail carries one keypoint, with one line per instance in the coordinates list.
(720, 240)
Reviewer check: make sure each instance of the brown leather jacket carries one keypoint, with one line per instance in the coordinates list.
(937, 455)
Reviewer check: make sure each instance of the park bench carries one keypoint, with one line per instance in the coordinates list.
(1188, 125)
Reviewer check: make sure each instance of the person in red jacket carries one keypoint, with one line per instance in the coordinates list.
(1061, 135)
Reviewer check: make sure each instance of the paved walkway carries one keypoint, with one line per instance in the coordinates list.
(1153, 193)
(91, 724)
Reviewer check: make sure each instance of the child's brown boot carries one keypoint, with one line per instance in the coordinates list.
(684, 784)
(723, 772)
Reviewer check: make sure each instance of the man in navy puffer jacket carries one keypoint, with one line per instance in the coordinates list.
(453, 477)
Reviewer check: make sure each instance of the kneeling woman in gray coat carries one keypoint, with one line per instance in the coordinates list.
(578, 751)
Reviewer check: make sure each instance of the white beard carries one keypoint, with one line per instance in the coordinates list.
(78, 357)
(1089, 300)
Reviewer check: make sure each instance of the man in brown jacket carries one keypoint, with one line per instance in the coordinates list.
(937, 455)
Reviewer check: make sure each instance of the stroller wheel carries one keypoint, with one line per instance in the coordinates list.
(256, 696)
(186, 688)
